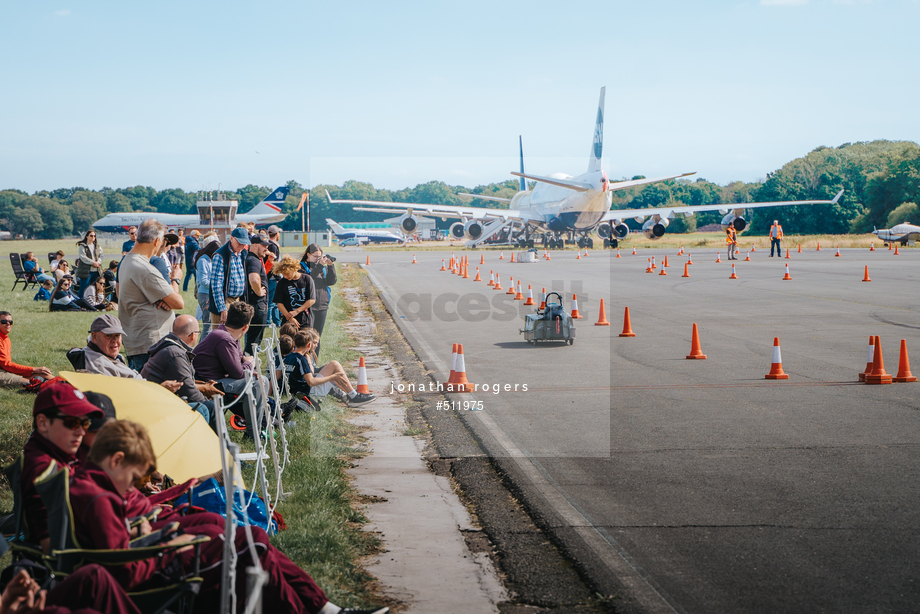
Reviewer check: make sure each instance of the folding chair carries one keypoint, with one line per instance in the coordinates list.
(51, 257)
(67, 554)
(20, 543)
(21, 274)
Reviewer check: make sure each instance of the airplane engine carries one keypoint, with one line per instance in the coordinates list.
(620, 231)
(457, 230)
(655, 228)
(472, 230)
(611, 231)
(604, 231)
(409, 223)
(738, 222)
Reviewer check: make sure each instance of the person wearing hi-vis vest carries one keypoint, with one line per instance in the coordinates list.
(731, 239)
(776, 235)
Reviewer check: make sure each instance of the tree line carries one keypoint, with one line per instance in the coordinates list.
(881, 180)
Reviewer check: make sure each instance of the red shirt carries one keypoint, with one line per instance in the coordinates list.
(6, 358)
(37, 455)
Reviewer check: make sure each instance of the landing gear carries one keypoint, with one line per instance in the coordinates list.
(585, 241)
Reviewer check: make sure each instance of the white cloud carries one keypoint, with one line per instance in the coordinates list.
(62, 13)
(783, 2)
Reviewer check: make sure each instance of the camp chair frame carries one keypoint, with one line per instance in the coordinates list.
(19, 543)
(67, 554)
(21, 274)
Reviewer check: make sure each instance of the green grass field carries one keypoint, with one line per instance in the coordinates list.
(323, 534)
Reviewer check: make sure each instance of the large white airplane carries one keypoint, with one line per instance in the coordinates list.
(562, 205)
(267, 211)
(365, 235)
(905, 233)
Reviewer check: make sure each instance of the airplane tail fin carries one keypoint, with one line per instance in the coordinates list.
(272, 203)
(336, 228)
(597, 147)
(523, 182)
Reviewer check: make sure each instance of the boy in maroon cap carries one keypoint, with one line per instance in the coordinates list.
(60, 417)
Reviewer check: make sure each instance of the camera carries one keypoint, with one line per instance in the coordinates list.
(330, 258)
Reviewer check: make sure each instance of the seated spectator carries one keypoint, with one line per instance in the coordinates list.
(60, 417)
(110, 275)
(63, 268)
(219, 357)
(305, 378)
(63, 298)
(30, 265)
(88, 590)
(45, 291)
(171, 359)
(11, 374)
(123, 453)
(95, 296)
(103, 352)
(58, 256)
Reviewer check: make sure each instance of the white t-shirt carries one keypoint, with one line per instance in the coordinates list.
(140, 286)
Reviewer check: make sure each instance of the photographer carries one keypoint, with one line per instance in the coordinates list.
(322, 269)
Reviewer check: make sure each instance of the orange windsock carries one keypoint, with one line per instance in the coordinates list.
(904, 374)
(696, 352)
(878, 374)
(787, 276)
(866, 274)
(686, 270)
(529, 300)
(870, 359)
(602, 318)
(776, 367)
(460, 383)
(627, 325)
(575, 314)
(362, 378)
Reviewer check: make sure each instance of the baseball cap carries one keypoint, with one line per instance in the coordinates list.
(106, 324)
(241, 235)
(66, 399)
(273, 230)
(171, 238)
(195, 232)
(256, 239)
(103, 402)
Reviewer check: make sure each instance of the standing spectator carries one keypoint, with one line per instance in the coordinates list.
(161, 260)
(273, 255)
(64, 299)
(191, 246)
(58, 256)
(209, 245)
(89, 260)
(322, 270)
(175, 254)
(295, 294)
(30, 265)
(256, 293)
(776, 237)
(228, 276)
(63, 268)
(128, 245)
(11, 374)
(145, 299)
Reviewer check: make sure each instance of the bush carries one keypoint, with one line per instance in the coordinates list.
(906, 212)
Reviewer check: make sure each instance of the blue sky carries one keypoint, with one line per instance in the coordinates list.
(196, 94)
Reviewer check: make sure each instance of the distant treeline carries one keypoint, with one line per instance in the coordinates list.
(881, 180)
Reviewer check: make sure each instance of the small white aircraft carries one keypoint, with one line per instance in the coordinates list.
(905, 233)
(364, 235)
(561, 205)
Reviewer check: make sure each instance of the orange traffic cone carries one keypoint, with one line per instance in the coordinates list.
(866, 274)
(747, 258)
(648, 269)
(453, 366)
(413, 259)
(776, 368)
(443, 268)
(872, 247)
(362, 378)
(482, 258)
(904, 374)
(602, 318)
(653, 263)
(753, 248)
(491, 283)
(578, 255)
(696, 352)
(878, 374)
(666, 265)
(501, 255)
(718, 257)
(548, 256)
(689, 258)
(800, 249)
(586, 252)
(733, 276)
(889, 247)
(818, 248)
(634, 251)
(518, 296)
(896, 250)
(542, 300)
(837, 255)
(787, 276)
(529, 300)
(460, 383)
(466, 269)
(787, 253)
(686, 270)
(512, 256)
(575, 314)
(368, 263)
(511, 286)
(618, 253)
(477, 278)
(870, 359)
(663, 272)
(627, 325)
(498, 282)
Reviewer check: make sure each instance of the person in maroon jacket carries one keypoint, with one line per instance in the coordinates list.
(60, 416)
(90, 588)
(122, 454)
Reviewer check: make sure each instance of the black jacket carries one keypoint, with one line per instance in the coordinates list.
(171, 359)
(323, 277)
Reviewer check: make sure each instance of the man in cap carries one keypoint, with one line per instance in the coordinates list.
(60, 417)
(273, 248)
(145, 300)
(256, 293)
(191, 246)
(103, 351)
(228, 278)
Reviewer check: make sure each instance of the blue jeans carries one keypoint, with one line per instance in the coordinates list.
(203, 299)
(137, 361)
(206, 409)
(188, 275)
(274, 316)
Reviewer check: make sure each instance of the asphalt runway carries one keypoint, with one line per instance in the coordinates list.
(700, 485)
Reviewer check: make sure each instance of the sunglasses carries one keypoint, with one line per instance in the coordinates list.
(10, 322)
(73, 423)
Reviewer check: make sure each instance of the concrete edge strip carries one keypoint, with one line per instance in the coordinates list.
(641, 590)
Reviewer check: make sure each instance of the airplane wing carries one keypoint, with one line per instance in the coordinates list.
(442, 211)
(584, 187)
(622, 185)
(495, 198)
(669, 212)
